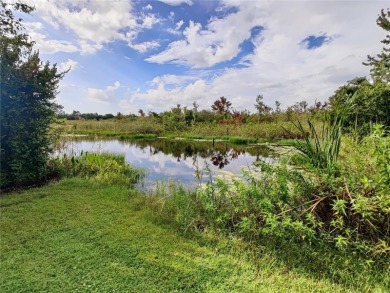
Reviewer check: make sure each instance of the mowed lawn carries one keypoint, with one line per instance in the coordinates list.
(78, 236)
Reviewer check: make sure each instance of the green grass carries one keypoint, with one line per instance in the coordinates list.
(242, 140)
(80, 236)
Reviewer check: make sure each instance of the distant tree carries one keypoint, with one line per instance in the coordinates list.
(119, 116)
(303, 106)
(141, 113)
(318, 106)
(262, 108)
(221, 106)
(277, 107)
(195, 106)
(108, 116)
(298, 107)
(76, 115)
(237, 117)
(189, 116)
(195, 109)
(28, 89)
(206, 116)
(153, 114)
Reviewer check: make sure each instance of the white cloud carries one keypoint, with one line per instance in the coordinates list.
(94, 23)
(144, 46)
(106, 95)
(176, 2)
(280, 68)
(176, 29)
(161, 98)
(97, 21)
(148, 7)
(219, 41)
(68, 65)
(149, 20)
(89, 25)
(172, 79)
(179, 24)
(47, 46)
(87, 47)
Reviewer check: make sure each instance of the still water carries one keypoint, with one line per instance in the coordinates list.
(178, 160)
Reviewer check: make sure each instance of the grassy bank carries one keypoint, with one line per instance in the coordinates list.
(81, 236)
(149, 128)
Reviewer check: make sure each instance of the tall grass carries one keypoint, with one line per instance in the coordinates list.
(114, 127)
(150, 126)
(320, 148)
(241, 140)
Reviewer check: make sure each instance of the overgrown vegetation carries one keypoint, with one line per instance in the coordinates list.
(344, 213)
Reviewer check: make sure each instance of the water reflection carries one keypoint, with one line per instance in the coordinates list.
(178, 160)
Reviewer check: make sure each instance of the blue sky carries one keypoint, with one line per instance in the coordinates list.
(129, 55)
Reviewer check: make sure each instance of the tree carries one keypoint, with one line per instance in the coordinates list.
(221, 106)
(28, 88)
(380, 64)
(363, 102)
(261, 107)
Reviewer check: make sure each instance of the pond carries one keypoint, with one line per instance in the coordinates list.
(179, 160)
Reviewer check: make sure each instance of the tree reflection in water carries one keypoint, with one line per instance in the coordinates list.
(187, 162)
(221, 159)
(220, 153)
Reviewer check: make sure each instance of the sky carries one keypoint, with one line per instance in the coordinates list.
(125, 55)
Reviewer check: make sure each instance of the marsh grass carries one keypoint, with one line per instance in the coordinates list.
(242, 140)
(102, 167)
(138, 136)
(145, 126)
